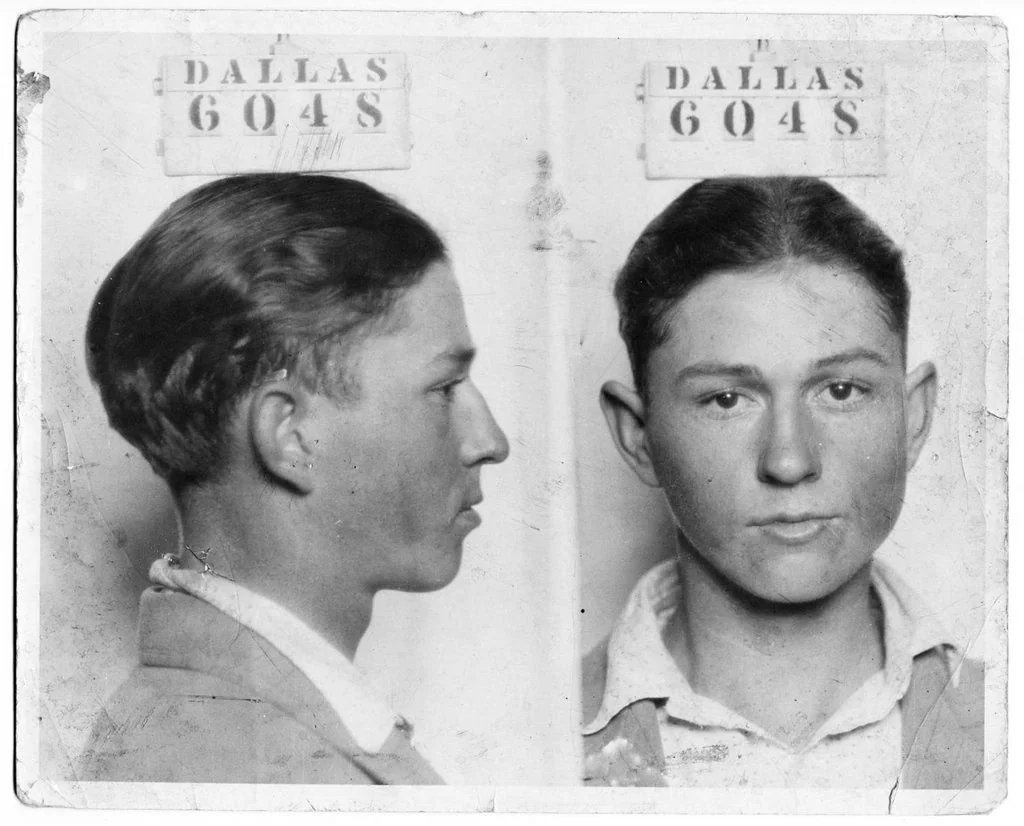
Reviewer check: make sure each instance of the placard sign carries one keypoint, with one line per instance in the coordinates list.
(763, 117)
(237, 113)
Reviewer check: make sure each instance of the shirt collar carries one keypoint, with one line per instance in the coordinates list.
(640, 666)
(368, 720)
(911, 626)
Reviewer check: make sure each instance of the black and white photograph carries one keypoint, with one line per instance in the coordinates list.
(535, 412)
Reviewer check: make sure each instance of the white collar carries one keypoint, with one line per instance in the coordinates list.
(640, 666)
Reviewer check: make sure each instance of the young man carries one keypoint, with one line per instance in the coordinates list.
(766, 324)
(290, 353)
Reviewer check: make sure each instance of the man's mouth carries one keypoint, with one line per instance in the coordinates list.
(467, 516)
(472, 501)
(468, 519)
(794, 529)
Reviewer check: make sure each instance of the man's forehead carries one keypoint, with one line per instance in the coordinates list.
(427, 324)
(808, 313)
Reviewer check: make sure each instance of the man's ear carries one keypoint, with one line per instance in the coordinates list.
(276, 415)
(624, 411)
(920, 390)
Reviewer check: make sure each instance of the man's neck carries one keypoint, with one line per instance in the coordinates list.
(786, 668)
(229, 537)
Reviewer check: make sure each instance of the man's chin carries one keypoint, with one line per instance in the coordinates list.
(432, 576)
(800, 585)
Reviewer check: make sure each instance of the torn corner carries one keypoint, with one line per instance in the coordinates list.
(31, 89)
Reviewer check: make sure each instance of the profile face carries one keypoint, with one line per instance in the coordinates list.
(776, 426)
(399, 468)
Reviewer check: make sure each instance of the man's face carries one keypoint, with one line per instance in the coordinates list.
(399, 467)
(776, 425)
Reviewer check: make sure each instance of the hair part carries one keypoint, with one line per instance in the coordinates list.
(745, 224)
(235, 281)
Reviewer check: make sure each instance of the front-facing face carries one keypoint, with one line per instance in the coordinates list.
(398, 469)
(781, 424)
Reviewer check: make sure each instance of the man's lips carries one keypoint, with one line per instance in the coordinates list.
(468, 516)
(472, 501)
(793, 529)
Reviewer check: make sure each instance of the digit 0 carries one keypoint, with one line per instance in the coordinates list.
(249, 112)
(748, 119)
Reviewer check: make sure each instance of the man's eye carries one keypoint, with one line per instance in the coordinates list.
(726, 400)
(447, 391)
(844, 391)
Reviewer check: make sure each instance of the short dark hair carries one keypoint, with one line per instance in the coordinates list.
(746, 223)
(235, 281)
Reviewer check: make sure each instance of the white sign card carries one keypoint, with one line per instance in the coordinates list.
(246, 113)
(763, 116)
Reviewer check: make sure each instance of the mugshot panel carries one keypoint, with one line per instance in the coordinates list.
(918, 163)
(470, 666)
(930, 197)
(539, 147)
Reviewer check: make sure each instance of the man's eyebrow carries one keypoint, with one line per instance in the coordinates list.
(703, 369)
(712, 369)
(850, 356)
(457, 356)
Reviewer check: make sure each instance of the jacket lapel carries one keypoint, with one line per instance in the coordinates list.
(943, 726)
(179, 631)
(628, 749)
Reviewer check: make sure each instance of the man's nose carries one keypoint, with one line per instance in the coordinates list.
(485, 441)
(790, 453)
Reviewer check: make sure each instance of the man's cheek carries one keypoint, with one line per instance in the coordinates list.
(702, 503)
(878, 490)
(674, 473)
